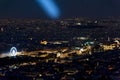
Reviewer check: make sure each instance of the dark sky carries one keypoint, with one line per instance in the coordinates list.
(68, 8)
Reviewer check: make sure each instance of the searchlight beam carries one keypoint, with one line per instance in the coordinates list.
(50, 8)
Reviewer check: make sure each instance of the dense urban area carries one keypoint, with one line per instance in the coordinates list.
(64, 49)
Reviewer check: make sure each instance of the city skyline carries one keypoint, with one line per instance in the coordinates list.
(59, 40)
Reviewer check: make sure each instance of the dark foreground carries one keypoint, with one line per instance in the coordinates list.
(98, 66)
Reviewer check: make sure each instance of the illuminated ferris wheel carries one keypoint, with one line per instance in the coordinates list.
(13, 51)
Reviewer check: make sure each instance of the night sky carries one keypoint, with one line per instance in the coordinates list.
(68, 8)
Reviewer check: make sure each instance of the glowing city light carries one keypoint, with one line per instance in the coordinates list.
(50, 8)
(13, 51)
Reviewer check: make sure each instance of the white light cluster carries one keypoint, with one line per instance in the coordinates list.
(13, 51)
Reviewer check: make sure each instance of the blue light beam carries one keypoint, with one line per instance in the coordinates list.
(50, 8)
